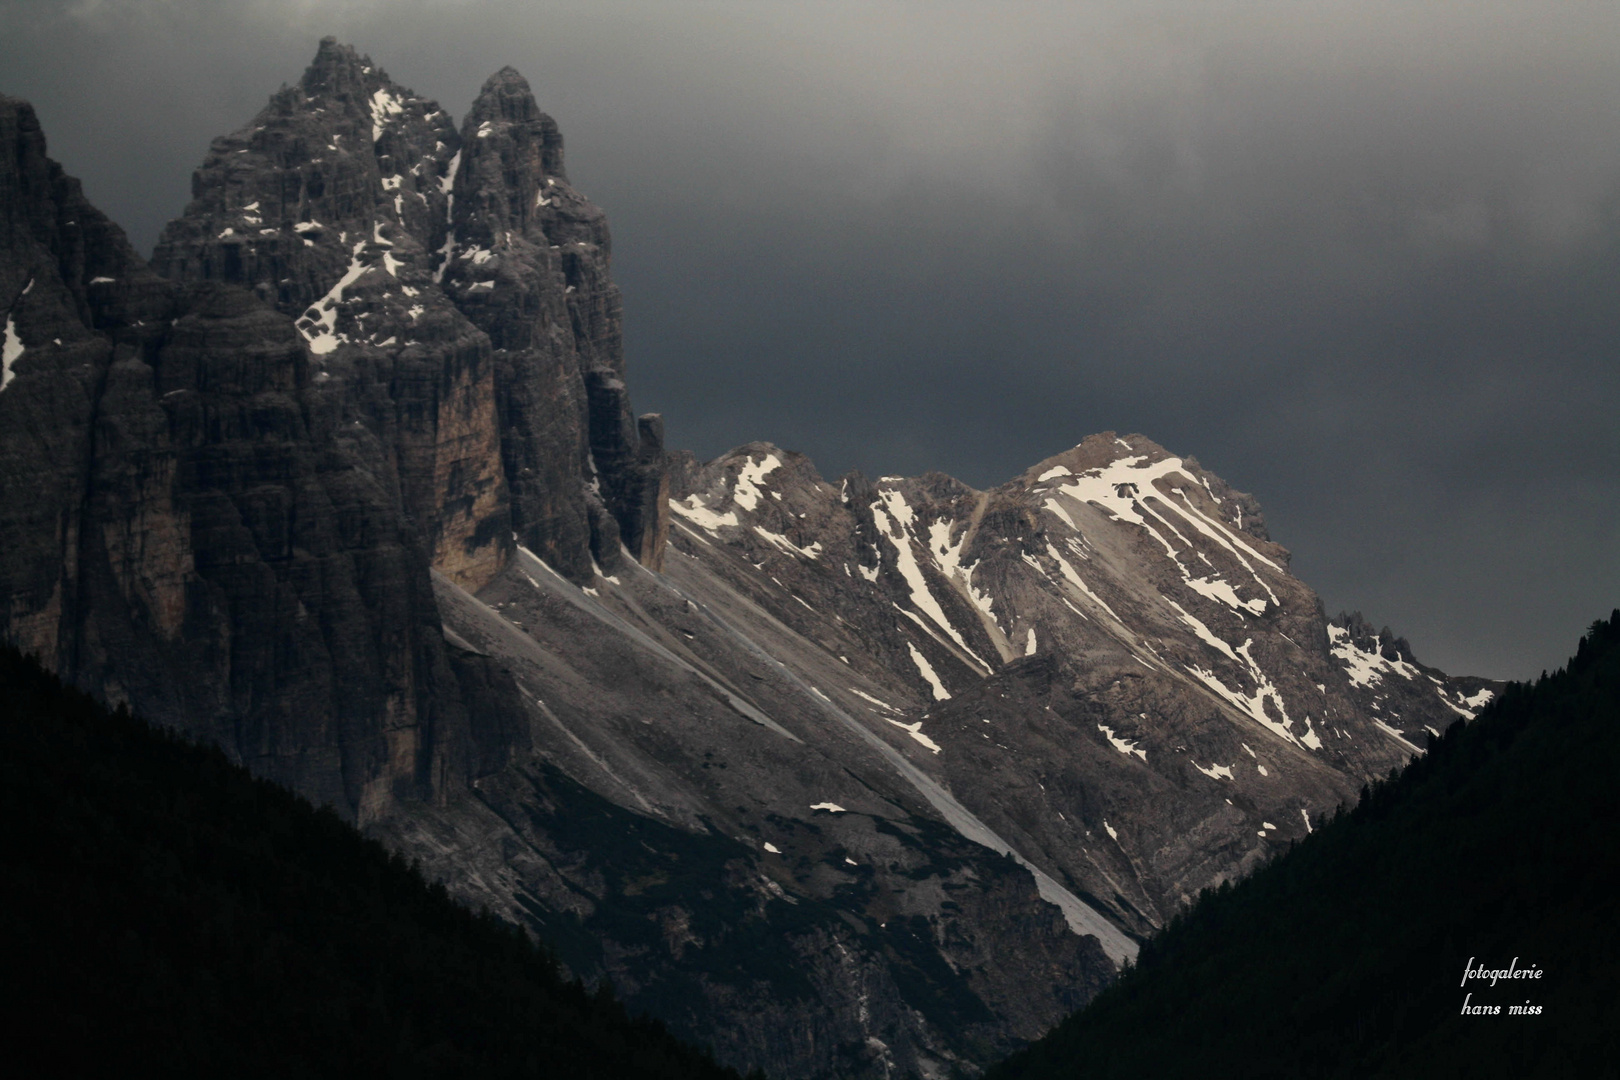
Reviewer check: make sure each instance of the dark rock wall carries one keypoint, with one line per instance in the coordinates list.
(456, 295)
(190, 529)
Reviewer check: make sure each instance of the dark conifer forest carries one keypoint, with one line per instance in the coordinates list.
(164, 912)
(1346, 956)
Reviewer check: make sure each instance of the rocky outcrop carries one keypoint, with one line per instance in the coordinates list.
(188, 528)
(455, 293)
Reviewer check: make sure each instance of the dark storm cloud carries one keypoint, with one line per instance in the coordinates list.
(1361, 260)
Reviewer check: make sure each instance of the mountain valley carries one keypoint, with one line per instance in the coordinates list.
(853, 778)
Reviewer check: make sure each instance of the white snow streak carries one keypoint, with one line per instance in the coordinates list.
(915, 731)
(1123, 746)
(746, 493)
(383, 105)
(811, 552)
(1073, 577)
(321, 333)
(1122, 487)
(1366, 669)
(1254, 705)
(1202, 631)
(11, 349)
(447, 186)
(873, 700)
(906, 561)
(927, 672)
(692, 509)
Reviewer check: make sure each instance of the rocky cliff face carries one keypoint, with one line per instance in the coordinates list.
(189, 529)
(455, 295)
(874, 778)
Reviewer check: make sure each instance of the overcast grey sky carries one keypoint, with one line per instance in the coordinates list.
(1362, 260)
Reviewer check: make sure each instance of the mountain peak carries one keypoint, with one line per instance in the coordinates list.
(338, 68)
(506, 95)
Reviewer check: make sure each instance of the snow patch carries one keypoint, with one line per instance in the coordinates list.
(1252, 704)
(692, 509)
(1123, 746)
(746, 493)
(1215, 772)
(873, 700)
(1202, 631)
(789, 546)
(1073, 577)
(1365, 669)
(383, 105)
(829, 806)
(893, 504)
(1121, 489)
(321, 333)
(927, 672)
(1396, 735)
(915, 731)
(447, 187)
(770, 847)
(11, 348)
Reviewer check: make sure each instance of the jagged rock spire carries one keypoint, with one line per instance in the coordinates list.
(456, 295)
(338, 69)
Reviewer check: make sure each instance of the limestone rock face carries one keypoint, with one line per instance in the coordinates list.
(455, 295)
(187, 527)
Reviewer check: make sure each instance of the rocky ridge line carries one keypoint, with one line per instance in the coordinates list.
(455, 292)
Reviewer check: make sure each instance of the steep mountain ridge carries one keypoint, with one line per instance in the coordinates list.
(455, 293)
(867, 779)
(185, 529)
(1131, 597)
